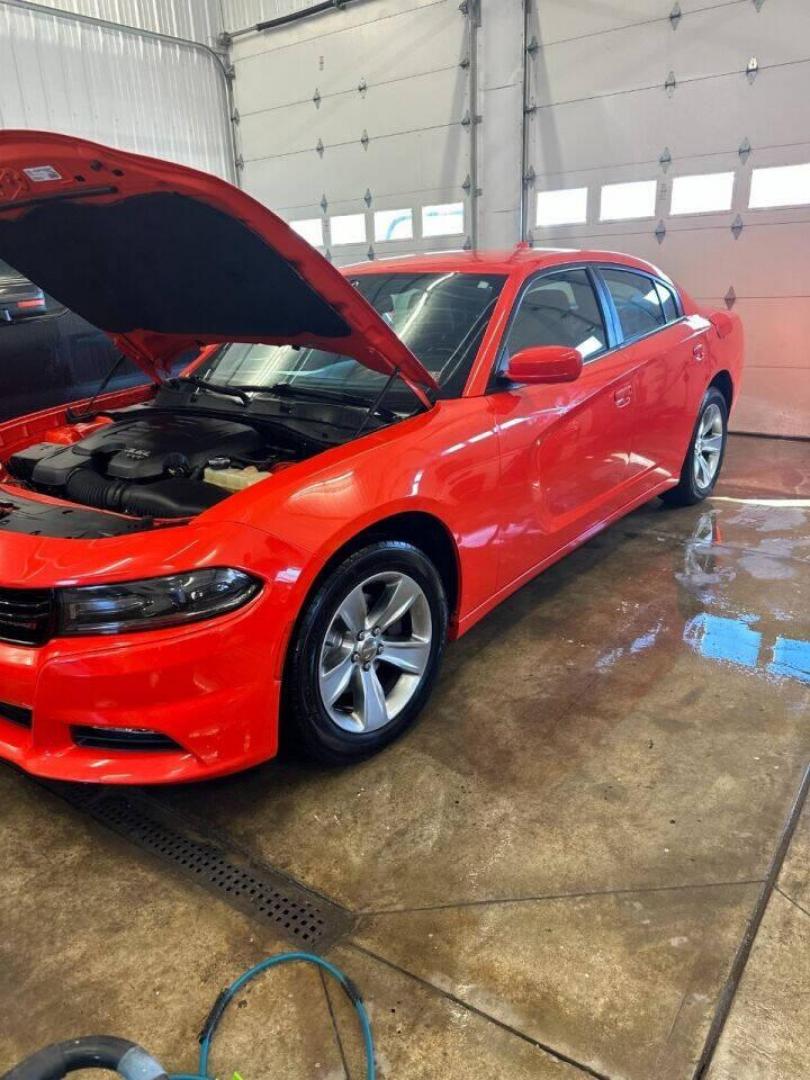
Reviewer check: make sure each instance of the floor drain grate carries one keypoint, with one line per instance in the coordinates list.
(308, 920)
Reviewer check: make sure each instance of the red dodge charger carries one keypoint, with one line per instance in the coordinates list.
(353, 467)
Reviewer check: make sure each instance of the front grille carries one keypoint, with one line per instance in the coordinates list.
(26, 616)
(98, 738)
(15, 714)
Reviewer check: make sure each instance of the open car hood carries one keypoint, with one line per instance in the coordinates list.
(165, 258)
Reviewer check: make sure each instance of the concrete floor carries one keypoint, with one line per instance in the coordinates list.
(586, 855)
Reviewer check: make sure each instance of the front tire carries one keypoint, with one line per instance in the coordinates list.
(366, 652)
(707, 448)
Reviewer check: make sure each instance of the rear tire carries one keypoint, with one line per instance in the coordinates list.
(366, 653)
(707, 448)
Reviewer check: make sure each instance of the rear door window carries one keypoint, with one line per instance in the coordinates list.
(668, 302)
(637, 301)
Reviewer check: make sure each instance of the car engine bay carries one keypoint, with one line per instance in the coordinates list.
(155, 464)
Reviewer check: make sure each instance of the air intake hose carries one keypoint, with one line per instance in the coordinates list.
(174, 497)
(87, 487)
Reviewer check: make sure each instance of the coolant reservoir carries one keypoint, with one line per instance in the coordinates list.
(234, 479)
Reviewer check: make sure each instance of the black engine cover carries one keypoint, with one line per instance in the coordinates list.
(148, 447)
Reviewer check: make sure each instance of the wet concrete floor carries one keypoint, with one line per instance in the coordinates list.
(553, 875)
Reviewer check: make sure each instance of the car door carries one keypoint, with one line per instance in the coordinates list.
(565, 448)
(666, 350)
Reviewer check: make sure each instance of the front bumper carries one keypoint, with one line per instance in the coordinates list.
(211, 688)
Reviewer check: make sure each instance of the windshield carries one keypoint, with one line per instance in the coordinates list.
(440, 317)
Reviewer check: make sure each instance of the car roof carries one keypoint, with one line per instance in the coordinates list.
(519, 261)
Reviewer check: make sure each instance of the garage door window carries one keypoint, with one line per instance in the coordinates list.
(637, 302)
(558, 309)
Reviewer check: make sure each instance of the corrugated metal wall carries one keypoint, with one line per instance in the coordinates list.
(140, 93)
(197, 20)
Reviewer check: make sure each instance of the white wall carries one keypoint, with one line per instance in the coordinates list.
(130, 90)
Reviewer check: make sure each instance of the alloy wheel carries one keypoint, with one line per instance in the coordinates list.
(708, 446)
(375, 652)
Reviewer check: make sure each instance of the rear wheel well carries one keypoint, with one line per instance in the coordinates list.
(422, 530)
(722, 381)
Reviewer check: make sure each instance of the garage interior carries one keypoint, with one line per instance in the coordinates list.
(591, 857)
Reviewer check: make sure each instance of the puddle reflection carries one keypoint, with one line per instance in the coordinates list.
(734, 641)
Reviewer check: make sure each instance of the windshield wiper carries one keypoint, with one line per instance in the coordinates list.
(214, 388)
(288, 390)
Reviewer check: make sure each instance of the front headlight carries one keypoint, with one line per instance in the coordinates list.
(154, 603)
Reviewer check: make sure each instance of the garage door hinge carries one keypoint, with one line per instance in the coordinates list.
(235, 117)
(675, 16)
(362, 86)
(467, 186)
(751, 69)
(370, 255)
(324, 203)
(737, 226)
(367, 197)
(364, 139)
(665, 160)
(744, 150)
(468, 119)
(316, 98)
(670, 83)
(660, 232)
(529, 176)
(239, 162)
(319, 147)
(230, 72)
(224, 40)
(471, 8)
(730, 298)
(465, 63)
(533, 46)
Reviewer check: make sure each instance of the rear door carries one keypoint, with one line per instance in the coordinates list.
(668, 356)
(566, 449)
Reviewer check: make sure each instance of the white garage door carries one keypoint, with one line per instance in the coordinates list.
(700, 105)
(352, 125)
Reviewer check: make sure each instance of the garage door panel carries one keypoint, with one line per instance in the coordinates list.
(765, 261)
(354, 16)
(426, 162)
(636, 127)
(560, 22)
(436, 101)
(774, 403)
(776, 334)
(337, 62)
(708, 43)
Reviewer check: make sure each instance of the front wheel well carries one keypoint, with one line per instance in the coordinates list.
(425, 532)
(722, 381)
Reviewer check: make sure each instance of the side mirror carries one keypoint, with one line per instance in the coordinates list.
(722, 322)
(544, 364)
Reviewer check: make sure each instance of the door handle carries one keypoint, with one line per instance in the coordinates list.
(699, 352)
(623, 396)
